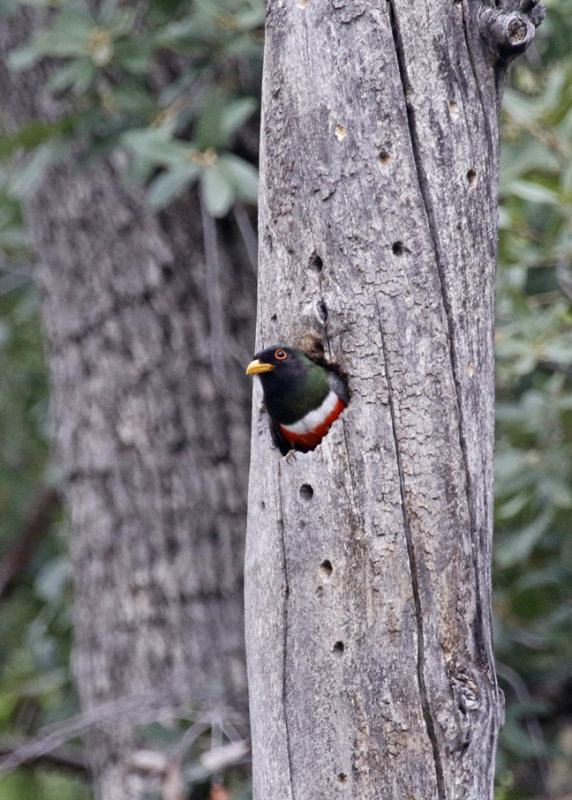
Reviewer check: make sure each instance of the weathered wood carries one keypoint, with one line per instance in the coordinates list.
(368, 596)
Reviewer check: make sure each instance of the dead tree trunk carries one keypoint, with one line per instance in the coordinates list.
(368, 561)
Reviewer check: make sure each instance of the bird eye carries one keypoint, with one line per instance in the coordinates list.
(280, 355)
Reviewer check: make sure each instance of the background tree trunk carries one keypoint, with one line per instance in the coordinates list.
(150, 413)
(368, 560)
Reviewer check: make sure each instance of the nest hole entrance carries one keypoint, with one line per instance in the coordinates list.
(326, 568)
(316, 263)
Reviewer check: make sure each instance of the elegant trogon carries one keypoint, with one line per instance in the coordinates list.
(302, 398)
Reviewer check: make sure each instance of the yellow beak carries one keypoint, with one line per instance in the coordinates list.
(256, 367)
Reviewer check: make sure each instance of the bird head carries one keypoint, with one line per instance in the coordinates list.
(291, 382)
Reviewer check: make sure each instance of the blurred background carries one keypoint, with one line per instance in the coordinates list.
(176, 86)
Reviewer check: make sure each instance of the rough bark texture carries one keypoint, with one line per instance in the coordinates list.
(368, 561)
(150, 409)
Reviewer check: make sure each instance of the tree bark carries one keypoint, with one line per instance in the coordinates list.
(368, 562)
(150, 413)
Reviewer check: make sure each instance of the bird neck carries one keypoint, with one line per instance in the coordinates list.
(290, 404)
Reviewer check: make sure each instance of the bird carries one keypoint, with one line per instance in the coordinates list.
(302, 398)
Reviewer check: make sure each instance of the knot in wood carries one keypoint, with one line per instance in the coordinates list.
(508, 34)
(467, 700)
(516, 30)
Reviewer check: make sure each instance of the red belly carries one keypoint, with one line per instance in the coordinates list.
(308, 441)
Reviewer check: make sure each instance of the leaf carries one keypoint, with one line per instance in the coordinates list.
(134, 54)
(44, 156)
(242, 176)
(78, 74)
(208, 127)
(520, 108)
(218, 192)
(535, 602)
(22, 58)
(250, 18)
(156, 146)
(234, 115)
(32, 134)
(559, 493)
(519, 545)
(170, 184)
(513, 506)
(53, 578)
(533, 192)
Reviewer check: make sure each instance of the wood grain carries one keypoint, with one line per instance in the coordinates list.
(368, 599)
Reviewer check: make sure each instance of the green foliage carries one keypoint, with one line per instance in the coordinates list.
(533, 555)
(178, 134)
(45, 785)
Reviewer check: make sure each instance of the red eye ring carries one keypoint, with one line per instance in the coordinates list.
(280, 354)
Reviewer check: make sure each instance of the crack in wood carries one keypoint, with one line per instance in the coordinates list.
(481, 640)
(480, 634)
(285, 639)
(478, 87)
(423, 694)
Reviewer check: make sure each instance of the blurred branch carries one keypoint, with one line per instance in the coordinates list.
(532, 725)
(221, 758)
(248, 234)
(33, 531)
(140, 708)
(216, 316)
(564, 277)
(555, 366)
(66, 758)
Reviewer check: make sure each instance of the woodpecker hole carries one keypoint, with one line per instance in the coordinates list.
(397, 248)
(339, 648)
(168, 273)
(453, 107)
(318, 349)
(273, 318)
(311, 345)
(322, 311)
(326, 568)
(342, 777)
(471, 177)
(262, 505)
(384, 157)
(306, 491)
(172, 546)
(316, 262)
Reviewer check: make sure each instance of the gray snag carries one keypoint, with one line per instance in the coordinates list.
(368, 613)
